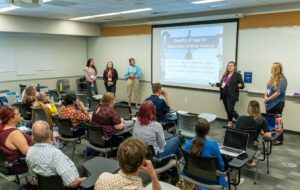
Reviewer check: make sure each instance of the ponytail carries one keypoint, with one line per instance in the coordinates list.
(197, 147)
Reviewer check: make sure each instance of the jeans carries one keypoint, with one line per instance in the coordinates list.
(91, 88)
(172, 147)
(111, 88)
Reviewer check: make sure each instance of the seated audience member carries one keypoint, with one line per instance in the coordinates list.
(132, 157)
(106, 116)
(46, 160)
(163, 106)
(41, 102)
(69, 110)
(147, 128)
(201, 146)
(254, 121)
(13, 142)
(28, 98)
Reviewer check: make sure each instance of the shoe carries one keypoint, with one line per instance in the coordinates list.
(277, 143)
(242, 180)
(251, 165)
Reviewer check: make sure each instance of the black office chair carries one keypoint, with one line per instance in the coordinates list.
(53, 94)
(205, 168)
(25, 115)
(97, 141)
(162, 165)
(64, 83)
(22, 88)
(124, 111)
(13, 171)
(93, 103)
(53, 182)
(186, 124)
(69, 133)
(39, 114)
(1, 104)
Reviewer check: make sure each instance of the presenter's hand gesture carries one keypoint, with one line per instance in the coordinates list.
(240, 85)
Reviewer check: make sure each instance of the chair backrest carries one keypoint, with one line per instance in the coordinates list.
(201, 167)
(53, 182)
(3, 161)
(1, 104)
(39, 114)
(64, 126)
(22, 109)
(124, 111)
(22, 88)
(65, 84)
(83, 97)
(186, 121)
(54, 94)
(93, 103)
(95, 135)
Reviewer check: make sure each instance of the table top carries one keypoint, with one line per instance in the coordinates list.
(164, 186)
(238, 163)
(123, 131)
(96, 167)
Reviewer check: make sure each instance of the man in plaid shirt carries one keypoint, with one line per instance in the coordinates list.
(46, 160)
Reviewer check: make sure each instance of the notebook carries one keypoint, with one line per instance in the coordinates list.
(235, 143)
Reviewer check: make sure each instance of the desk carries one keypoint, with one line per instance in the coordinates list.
(236, 163)
(98, 97)
(96, 167)
(123, 131)
(164, 186)
(208, 116)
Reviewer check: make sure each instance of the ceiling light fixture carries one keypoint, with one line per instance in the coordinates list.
(10, 8)
(45, 1)
(112, 14)
(206, 1)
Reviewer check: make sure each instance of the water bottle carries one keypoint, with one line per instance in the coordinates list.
(38, 87)
(60, 87)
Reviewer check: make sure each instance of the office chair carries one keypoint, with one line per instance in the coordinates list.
(205, 168)
(53, 182)
(97, 141)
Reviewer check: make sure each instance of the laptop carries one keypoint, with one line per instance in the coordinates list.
(235, 143)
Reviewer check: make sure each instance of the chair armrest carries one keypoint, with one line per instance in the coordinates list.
(219, 173)
(172, 156)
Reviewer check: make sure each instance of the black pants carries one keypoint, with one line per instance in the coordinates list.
(111, 88)
(229, 107)
(277, 109)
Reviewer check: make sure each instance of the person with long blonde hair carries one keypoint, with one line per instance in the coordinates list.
(274, 97)
(229, 86)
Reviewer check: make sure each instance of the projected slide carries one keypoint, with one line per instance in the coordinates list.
(191, 56)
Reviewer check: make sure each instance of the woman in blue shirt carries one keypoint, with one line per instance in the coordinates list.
(133, 74)
(204, 147)
(275, 95)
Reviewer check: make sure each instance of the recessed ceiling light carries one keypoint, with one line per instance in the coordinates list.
(112, 14)
(45, 1)
(10, 8)
(218, 5)
(206, 1)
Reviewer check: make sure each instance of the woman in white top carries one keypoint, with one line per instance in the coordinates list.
(91, 76)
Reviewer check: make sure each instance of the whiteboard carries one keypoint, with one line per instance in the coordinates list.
(119, 50)
(259, 48)
(35, 56)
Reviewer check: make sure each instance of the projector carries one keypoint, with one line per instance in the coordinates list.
(26, 3)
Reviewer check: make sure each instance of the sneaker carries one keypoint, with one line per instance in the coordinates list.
(242, 180)
(277, 143)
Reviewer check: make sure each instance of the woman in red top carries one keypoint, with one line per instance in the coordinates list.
(110, 77)
(13, 142)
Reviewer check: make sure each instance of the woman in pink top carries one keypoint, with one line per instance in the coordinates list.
(91, 76)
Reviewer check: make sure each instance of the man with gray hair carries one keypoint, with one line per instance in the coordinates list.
(46, 160)
(41, 103)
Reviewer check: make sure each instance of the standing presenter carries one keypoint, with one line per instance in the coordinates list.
(133, 75)
(229, 86)
(90, 72)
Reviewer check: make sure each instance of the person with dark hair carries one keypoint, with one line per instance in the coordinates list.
(133, 74)
(110, 77)
(13, 142)
(69, 110)
(163, 106)
(46, 160)
(106, 116)
(274, 98)
(147, 128)
(229, 86)
(90, 72)
(203, 147)
(132, 157)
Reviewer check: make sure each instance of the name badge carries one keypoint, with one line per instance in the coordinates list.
(268, 91)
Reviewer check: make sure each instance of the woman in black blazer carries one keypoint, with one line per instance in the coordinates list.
(229, 86)
(110, 77)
